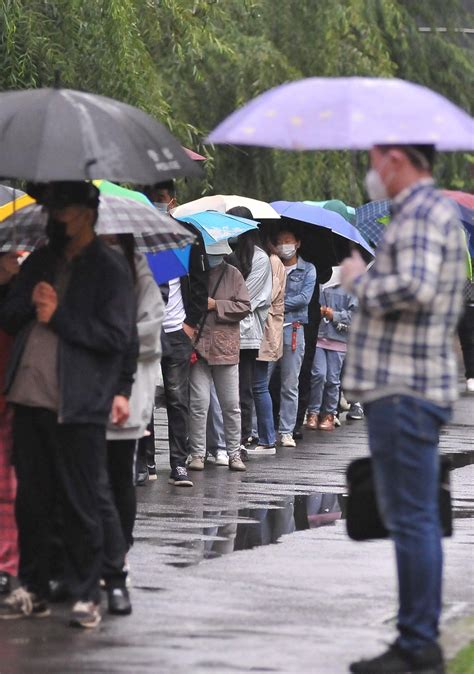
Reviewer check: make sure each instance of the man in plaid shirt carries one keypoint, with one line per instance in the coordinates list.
(401, 364)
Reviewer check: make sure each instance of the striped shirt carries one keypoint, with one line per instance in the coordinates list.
(402, 336)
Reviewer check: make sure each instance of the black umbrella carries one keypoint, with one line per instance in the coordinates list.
(61, 134)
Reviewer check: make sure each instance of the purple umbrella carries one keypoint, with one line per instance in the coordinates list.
(336, 113)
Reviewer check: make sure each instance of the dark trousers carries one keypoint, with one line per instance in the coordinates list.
(466, 336)
(121, 466)
(248, 358)
(58, 464)
(146, 449)
(175, 366)
(304, 381)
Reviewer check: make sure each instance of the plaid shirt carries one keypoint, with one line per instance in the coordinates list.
(410, 301)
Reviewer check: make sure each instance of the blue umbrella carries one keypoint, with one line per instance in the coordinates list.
(215, 226)
(321, 217)
(372, 218)
(169, 264)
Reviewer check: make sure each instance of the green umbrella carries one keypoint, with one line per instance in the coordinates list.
(338, 206)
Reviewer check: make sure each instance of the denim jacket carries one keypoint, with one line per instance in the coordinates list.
(343, 304)
(299, 291)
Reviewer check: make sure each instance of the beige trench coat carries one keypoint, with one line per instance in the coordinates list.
(271, 348)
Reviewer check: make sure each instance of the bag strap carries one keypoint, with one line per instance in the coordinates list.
(204, 318)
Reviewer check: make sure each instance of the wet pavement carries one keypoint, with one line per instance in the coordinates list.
(254, 572)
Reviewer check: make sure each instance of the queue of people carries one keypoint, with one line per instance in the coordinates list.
(85, 335)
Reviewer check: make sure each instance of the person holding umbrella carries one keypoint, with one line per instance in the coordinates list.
(401, 365)
(72, 309)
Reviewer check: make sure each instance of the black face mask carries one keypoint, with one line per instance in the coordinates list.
(56, 233)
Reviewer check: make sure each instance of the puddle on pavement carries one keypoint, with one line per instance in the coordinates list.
(184, 539)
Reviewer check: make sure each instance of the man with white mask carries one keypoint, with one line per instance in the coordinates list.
(400, 363)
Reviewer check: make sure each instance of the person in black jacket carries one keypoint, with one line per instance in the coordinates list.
(186, 305)
(72, 310)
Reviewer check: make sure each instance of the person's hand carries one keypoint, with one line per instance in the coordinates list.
(45, 300)
(329, 313)
(323, 311)
(120, 410)
(211, 304)
(9, 266)
(189, 331)
(351, 268)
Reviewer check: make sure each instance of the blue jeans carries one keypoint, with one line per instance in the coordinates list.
(325, 381)
(263, 404)
(290, 364)
(403, 438)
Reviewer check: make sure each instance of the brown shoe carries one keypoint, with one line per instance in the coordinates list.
(326, 422)
(311, 421)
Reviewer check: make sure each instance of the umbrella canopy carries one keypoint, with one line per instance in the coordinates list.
(223, 202)
(462, 198)
(337, 113)
(326, 238)
(338, 206)
(169, 264)
(321, 217)
(372, 219)
(61, 134)
(194, 155)
(216, 226)
(153, 231)
(8, 194)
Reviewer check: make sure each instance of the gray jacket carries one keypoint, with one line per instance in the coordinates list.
(259, 286)
(343, 304)
(150, 310)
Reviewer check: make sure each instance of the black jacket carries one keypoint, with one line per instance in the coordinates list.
(194, 285)
(95, 323)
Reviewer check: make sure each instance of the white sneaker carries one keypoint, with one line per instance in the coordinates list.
(287, 440)
(196, 463)
(470, 385)
(221, 458)
(262, 450)
(337, 421)
(210, 458)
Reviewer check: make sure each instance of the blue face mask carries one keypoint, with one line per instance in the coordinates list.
(215, 260)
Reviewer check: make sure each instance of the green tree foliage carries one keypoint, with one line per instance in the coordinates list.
(191, 62)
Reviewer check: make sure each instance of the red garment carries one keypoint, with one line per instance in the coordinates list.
(8, 530)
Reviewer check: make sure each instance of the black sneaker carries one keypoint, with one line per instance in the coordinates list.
(119, 601)
(5, 583)
(298, 433)
(142, 477)
(356, 412)
(398, 661)
(152, 472)
(179, 477)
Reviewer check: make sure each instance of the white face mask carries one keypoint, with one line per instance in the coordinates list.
(375, 186)
(286, 251)
(163, 208)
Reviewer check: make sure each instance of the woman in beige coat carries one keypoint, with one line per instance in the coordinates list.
(271, 349)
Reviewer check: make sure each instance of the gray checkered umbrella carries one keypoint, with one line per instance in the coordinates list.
(153, 231)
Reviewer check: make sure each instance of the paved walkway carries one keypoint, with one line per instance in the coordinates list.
(205, 602)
